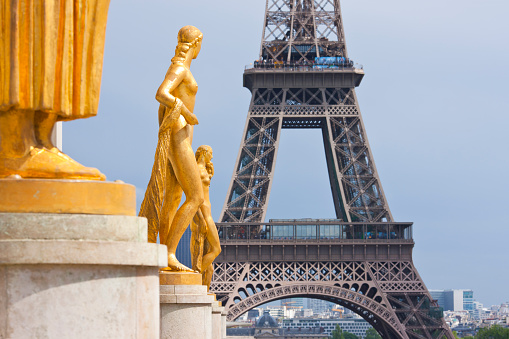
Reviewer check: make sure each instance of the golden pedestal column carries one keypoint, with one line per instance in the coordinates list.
(179, 278)
(67, 196)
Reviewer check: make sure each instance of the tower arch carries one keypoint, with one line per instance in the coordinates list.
(375, 313)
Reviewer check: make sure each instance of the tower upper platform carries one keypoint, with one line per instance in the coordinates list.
(294, 75)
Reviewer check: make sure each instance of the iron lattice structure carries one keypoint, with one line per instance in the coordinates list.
(362, 260)
(289, 91)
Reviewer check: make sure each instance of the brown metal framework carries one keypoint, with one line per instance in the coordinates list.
(362, 260)
(299, 30)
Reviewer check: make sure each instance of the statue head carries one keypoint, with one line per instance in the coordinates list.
(205, 152)
(189, 37)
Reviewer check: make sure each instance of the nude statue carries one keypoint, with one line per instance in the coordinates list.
(175, 169)
(205, 246)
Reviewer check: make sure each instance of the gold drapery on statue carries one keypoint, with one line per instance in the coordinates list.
(52, 55)
(152, 205)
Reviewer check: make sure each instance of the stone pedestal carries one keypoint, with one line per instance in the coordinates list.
(217, 321)
(78, 276)
(223, 324)
(187, 312)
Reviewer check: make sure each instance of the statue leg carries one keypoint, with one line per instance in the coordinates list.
(207, 276)
(196, 244)
(193, 244)
(21, 155)
(16, 133)
(43, 128)
(186, 171)
(172, 198)
(212, 238)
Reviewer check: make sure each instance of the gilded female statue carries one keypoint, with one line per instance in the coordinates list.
(176, 95)
(205, 246)
(50, 70)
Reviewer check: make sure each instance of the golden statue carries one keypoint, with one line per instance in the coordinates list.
(50, 70)
(205, 246)
(175, 169)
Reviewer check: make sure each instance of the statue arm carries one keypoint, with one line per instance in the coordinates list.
(172, 80)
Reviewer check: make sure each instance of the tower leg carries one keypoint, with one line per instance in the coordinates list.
(254, 170)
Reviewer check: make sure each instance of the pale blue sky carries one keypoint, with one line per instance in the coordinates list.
(434, 101)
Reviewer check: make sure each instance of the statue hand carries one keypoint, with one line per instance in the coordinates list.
(190, 117)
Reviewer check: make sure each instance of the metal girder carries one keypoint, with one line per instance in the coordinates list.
(356, 188)
(389, 295)
(300, 30)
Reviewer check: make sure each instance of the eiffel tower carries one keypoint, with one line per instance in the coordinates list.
(361, 260)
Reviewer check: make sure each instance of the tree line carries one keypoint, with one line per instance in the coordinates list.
(493, 332)
(338, 333)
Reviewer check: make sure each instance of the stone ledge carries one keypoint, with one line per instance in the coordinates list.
(184, 289)
(188, 299)
(217, 309)
(167, 289)
(191, 289)
(168, 299)
(47, 226)
(194, 299)
(14, 252)
(186, 294)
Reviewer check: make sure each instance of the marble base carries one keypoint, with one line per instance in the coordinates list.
(186, 312)
(78, 276)
(217, 321)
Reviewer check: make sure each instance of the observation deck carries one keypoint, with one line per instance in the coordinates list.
(283, 74)
(315, 239)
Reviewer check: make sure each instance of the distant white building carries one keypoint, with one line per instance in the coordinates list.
(319, 306)
(354, 326)
(304, 313)
(277, 312)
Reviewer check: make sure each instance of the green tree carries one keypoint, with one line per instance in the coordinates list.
(455, 334)
(337, 333)
(494, 332)
(372, 334)
(350, 335)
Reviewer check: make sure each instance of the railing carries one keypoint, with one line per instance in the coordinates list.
(320, 231)
(291, 66)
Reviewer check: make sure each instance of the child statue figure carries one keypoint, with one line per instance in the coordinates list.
(205, 246)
